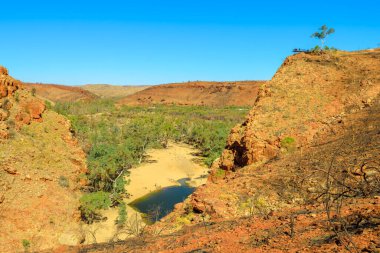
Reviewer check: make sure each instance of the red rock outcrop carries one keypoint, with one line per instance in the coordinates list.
(16, 105)
(305, 95)
(8, 85)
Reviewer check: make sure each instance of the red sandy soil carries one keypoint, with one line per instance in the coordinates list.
(60, 93)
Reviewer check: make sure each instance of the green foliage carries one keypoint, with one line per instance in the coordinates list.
(323, 33)
(85, 108)
(33, 91)
(17, 97)
(26, 244)
(48, 105)
(115, 139)
(220, 173)
(330, 49)
(288, 143)
(122, 218)
(318, 50)
(90, 203)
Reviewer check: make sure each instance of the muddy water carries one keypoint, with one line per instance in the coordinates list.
(167, 177)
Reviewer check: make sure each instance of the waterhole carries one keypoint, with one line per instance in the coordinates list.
(159, 203)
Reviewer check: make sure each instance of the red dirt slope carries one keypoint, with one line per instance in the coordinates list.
(60, 93)
(40, 163)
(198, 93)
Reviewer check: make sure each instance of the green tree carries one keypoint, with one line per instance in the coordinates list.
(91, 203)
(323, 33)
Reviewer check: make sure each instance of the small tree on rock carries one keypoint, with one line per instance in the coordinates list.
(323, 33)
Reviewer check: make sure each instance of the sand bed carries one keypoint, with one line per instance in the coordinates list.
(162, 168)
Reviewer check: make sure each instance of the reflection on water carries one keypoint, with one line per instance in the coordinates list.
(159, 203)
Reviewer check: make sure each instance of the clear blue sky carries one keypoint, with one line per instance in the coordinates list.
(161, 41)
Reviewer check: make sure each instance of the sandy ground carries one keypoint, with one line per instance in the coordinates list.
(162, 168)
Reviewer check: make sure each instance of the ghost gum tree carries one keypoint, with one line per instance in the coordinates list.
(323, 33)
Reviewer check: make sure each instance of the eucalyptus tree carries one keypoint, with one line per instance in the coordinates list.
(323, 33)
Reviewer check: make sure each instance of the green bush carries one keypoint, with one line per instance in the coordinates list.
(17, 97)
(91, 203)
(25, 244)
(48, 105)
(220, 173)
(122, 218)
(289, 144)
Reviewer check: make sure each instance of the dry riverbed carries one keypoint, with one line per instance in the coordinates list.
(162, 168)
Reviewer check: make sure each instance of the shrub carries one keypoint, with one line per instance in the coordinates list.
(17, 97)
(91, 203)
(220, 173)
(316, 49)
(63, 181)
(288, 143)
(122, 218)
(48, 105)
(26, 245)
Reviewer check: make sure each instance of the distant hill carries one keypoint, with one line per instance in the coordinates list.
(60, 93)
(112, 91)
(240, 93)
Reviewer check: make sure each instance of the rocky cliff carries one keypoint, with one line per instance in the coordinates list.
(17, 108)
(304, 96)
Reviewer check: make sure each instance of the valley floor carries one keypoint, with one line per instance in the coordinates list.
(162, 168)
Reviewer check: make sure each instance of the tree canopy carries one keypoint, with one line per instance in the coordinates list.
(323, 33)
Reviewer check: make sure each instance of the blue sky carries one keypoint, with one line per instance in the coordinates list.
(152, 42)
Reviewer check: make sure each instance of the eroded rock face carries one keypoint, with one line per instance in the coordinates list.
(8, 85)
(17, 107)
(31, 110)
(305, 95)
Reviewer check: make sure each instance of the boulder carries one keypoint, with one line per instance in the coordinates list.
(35, 109)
